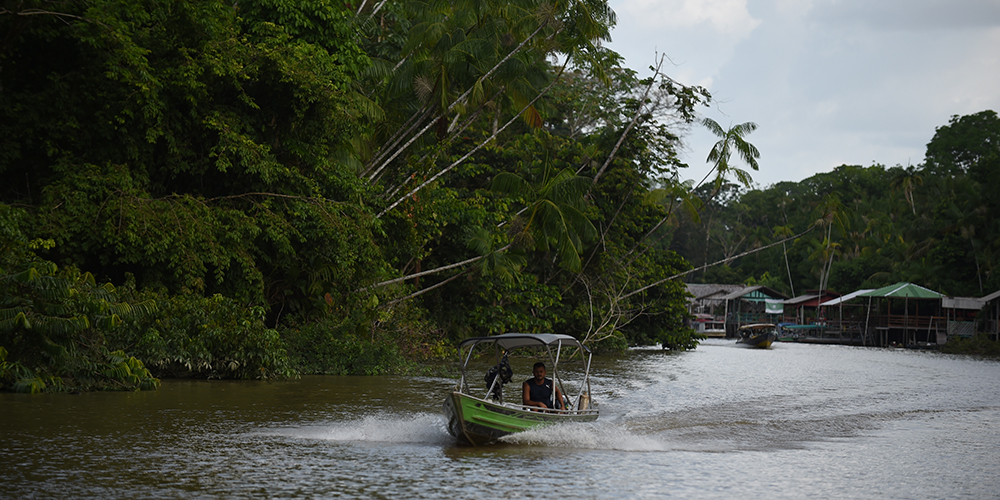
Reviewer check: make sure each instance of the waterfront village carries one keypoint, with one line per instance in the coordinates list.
(902, 314)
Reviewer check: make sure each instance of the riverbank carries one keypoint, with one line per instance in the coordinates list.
(978, 345)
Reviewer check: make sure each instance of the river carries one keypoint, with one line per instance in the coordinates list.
(794, 421)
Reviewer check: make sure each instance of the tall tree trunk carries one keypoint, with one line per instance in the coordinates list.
(787, 268)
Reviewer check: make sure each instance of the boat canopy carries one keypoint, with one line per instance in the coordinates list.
(802, 327)
(510, 341)
(757, 326)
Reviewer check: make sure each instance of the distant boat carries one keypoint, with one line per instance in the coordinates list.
(791, 332)
(707, 325)
(482, 420)
(786, 332)
(759, 335)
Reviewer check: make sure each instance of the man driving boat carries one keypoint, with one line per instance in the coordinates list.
(537, 391)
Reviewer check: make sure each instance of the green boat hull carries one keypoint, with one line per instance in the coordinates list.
(477, 421)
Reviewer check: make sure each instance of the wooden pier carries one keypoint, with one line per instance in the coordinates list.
(882, 331)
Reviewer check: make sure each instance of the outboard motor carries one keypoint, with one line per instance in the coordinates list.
(502, 370)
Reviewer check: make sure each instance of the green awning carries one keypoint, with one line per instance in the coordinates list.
(903, 289)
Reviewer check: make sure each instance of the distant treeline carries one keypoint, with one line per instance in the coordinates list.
(935, 224)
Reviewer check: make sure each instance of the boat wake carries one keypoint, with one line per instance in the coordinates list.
(427, 428)
(430, 428)
(592, 436)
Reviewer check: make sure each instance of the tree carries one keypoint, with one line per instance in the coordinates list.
(554, 217)
(278, 173)
(54, 325)
(730, 141)
(964, 142)
(907, 181)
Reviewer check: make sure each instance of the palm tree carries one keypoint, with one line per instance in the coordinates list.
(729, 141)
(907, 180)
(553, 218)
(832, 213)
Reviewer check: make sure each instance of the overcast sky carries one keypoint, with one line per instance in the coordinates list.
(829, 82)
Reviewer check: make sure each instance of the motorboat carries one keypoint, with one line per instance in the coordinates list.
(760, 335)
(483, 418)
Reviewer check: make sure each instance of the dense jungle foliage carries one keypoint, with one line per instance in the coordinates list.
(261, 188)
(934, 224)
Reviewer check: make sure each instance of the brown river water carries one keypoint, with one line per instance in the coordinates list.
(795, 421)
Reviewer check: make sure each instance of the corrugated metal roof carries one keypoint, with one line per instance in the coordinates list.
(845, 298)
(709, 291)
(800, 299)
(766, 291)
(971, 303)
(904, 289)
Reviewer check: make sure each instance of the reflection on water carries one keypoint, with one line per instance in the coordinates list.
(718, 422)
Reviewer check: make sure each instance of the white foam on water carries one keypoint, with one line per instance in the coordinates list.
(429, 428)
(594, 436)
(379, 428)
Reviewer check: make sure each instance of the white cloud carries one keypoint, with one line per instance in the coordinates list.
(908, 15)
(828, 81)
(729, 18)
(983, 58)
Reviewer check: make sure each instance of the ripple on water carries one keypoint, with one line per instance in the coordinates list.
(821, 421)
(427, 428)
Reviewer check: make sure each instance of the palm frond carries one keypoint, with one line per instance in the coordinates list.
(17, 321)
(480, 241)
(49, 287)
(511, 184)
(109, 322)
(12, 312)
(366, 107)
(532, 117)
(714, 127)
(60, 326)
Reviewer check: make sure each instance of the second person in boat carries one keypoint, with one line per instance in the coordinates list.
(538, 390)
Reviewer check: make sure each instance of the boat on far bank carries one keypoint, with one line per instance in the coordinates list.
(479, 420)
(759, 335)
(709, 326)
(791, 332)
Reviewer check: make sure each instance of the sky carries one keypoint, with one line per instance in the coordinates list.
(828, 82)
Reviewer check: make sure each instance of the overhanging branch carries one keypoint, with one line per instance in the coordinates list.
(727, 259)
